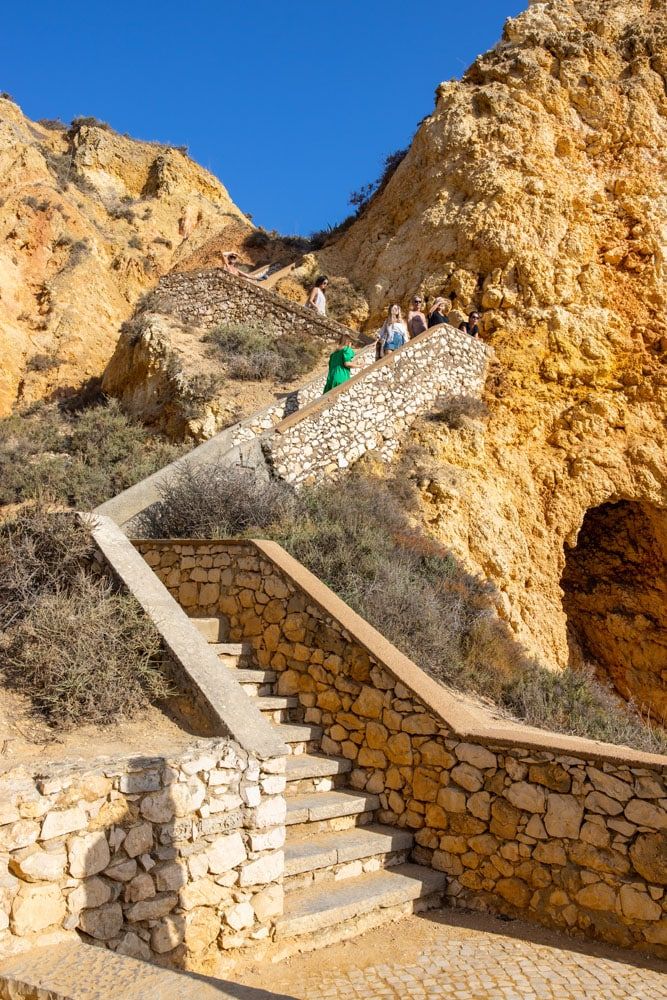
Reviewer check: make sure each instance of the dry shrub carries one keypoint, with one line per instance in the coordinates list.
(82, 652)
(78, 458)
(252, 353)
(205, 501)
(454, 411)
(356, 536)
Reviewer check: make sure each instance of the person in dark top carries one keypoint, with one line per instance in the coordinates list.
(437, 314)
(472, 326)
(416, 319)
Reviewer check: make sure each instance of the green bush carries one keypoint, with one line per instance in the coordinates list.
(356, 536)
(80, 650)
(250, 352)
(75, 458)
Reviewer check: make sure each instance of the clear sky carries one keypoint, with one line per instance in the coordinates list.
(292, 105)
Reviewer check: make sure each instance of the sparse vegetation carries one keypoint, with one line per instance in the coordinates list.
(161, 241)
(43, 363)
(361, 198)
(454, 411)
(252, 353)
(355, 535)
(82, 651)
(89, 122)
(77, 458)
(38, 205)
(121, 211)
(135, 243)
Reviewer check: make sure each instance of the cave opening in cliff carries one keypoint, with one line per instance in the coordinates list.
(615, 597)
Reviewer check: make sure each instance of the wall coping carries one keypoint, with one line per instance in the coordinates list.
(232, 711)
(329, 399)
(332, 326)
(459, 713)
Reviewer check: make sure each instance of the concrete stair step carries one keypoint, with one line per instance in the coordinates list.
(232, 648)
(300, 739)
(214, 630)
(81, 972)
(246, 675)
(319, 806)
(325, 850)
(319, 907)
(271, 703)
(312, 766)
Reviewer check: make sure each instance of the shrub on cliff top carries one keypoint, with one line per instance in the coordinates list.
(79, 649)
(250, 352)
(356, 536)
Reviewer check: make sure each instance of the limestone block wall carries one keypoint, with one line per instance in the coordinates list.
(373, 409)
(211, 296)
(562, 831)
(166, 858)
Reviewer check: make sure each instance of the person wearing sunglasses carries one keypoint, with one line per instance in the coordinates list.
(472, 326)
(416, 319)
(317, 299)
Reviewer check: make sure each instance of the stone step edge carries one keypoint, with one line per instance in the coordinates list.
(326, 850)
(295, 732)
(326, 905)
(314, 807)
(307, 765)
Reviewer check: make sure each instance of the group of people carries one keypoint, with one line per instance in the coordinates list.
(394, 332)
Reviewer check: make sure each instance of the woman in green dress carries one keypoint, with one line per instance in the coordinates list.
(340, 363)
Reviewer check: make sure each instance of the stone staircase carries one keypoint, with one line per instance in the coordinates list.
(343, 871)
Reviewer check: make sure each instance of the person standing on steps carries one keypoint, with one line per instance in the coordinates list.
(437, 314)
(317, 299)
(340, 363)
(394, 332)
(417, 322)
(472, 326)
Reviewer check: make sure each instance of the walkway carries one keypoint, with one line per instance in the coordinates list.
(461, 956)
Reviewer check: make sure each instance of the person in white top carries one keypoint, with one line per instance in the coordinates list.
(394, 332)
(317, 299)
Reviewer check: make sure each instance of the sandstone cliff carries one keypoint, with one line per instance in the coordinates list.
(88, 220)
(537, 190)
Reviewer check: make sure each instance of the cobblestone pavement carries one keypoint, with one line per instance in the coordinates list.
(499, 970)
(467, 958)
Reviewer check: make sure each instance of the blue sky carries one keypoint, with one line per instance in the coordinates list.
(292, 105)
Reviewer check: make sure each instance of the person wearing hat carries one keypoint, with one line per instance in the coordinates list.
(437, 314)
(472, 326)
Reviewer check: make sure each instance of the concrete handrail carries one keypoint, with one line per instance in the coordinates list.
(230, 709)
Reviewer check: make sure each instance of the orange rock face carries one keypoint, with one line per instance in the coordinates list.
(537, 192)
(89, 220)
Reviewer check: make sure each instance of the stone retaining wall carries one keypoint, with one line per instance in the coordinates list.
(167, 858)
(211, 296)
(372, 410)
(562, 831)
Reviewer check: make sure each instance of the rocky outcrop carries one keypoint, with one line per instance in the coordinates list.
(537, 190)
(89, 220)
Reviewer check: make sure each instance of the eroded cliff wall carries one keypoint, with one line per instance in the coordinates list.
(89, 219)
(537, 190)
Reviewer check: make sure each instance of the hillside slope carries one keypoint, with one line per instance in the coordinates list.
(89, 219)
(537, 190)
